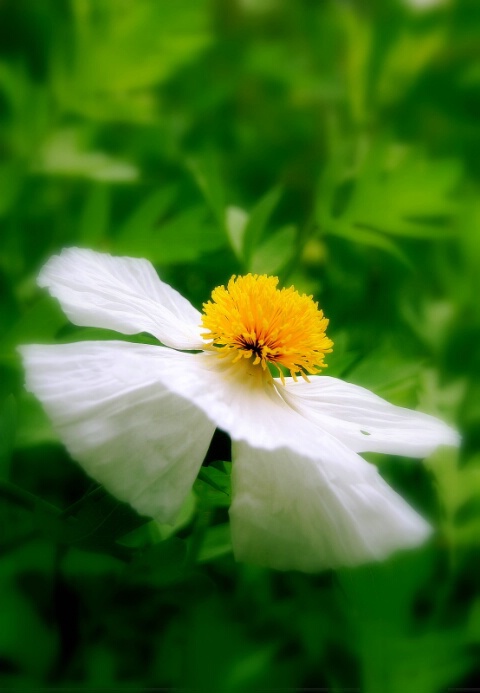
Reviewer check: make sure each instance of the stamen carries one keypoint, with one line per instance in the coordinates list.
(252, 318)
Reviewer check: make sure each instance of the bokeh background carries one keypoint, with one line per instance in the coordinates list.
(333, 143)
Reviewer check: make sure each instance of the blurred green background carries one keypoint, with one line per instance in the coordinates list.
(334, 143)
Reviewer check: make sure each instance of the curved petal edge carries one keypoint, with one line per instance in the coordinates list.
(144, 443)
(123, 294)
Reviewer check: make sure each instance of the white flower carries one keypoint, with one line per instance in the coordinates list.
(140, 418)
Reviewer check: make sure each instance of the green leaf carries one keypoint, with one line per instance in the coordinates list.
(8, 418)
(406, 59)
(370, 238)
(205, 170)
(184, 517)
(216, 542)
(79, 564)
(137, 231)
(473, 627)
(382, 372)
(68, 153)
(184, 238)
(427, 663)
(213, 486)
(274, 254)
(39, 324)
(28, 640)
(395, 191)
(236, 220)
(219, 479)
(25, 638)
(94, 221)
(97, 520)
(34, 427)
(383, 593)
(160, 565)
(257, 222)
(11, 179)
(117, 52)
(458, 488)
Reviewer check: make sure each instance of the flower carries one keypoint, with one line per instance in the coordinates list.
(140, 418)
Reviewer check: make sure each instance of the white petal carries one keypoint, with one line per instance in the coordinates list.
(123, 294)
(233, 397)
(301, 499)
(365, 422)
(133, 435)
(247, 408)
(291, 512)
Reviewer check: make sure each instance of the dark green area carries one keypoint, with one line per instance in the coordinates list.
(335, 144)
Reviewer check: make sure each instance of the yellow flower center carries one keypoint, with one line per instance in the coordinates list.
(252, 319)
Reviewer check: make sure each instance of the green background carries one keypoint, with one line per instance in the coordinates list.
(334, 144)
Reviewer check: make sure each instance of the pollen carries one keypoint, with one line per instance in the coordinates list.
(252, 319)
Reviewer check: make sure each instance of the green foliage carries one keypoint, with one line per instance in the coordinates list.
(392, 193)
(334, 144)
